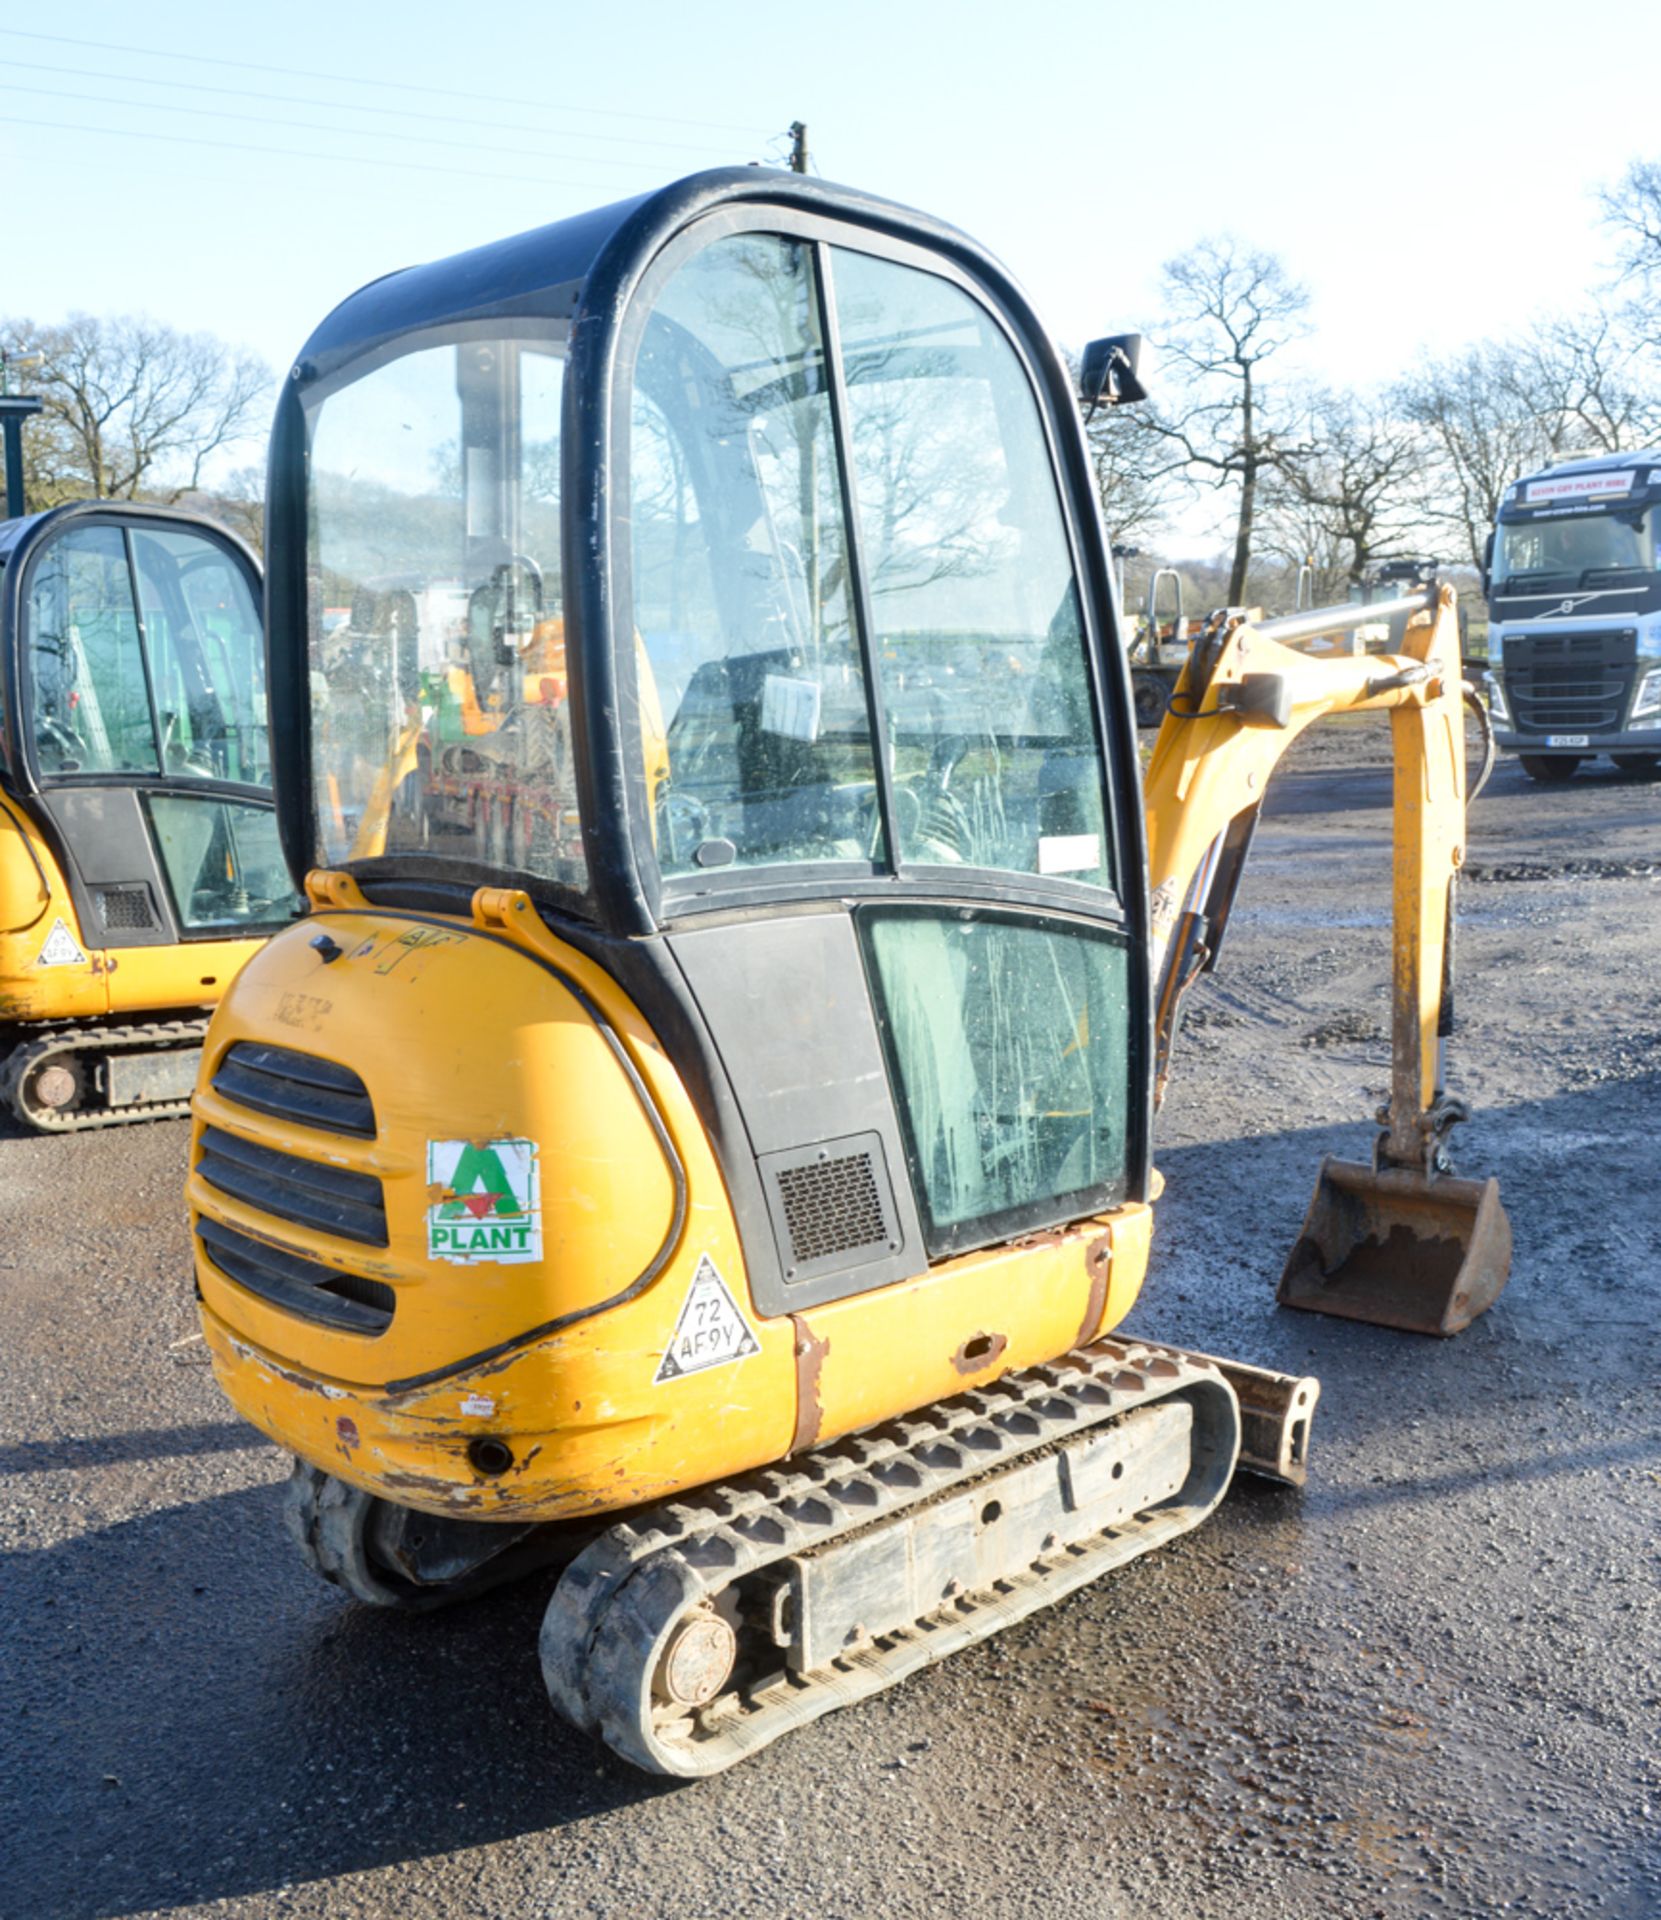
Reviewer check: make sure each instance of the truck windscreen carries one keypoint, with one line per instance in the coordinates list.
(1574, 550)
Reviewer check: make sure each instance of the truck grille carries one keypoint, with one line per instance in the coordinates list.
(1569, 682)
(331, 1199)
(345, 1300)
(295, 1086)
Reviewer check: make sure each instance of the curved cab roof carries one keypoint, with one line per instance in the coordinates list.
(551, 271)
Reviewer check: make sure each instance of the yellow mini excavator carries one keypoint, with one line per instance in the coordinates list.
(139, 858)
(701, 1133)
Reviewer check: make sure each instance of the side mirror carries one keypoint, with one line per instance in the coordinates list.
(1488, 568)
(1107, 374)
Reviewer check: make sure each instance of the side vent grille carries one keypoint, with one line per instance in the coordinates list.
(832, 1205)
(331, 1199)
(127, 909)
(295, 1086)
(347, 1301)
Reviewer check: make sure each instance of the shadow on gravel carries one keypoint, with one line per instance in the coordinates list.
(1577, 1317)
(1337, 788)
(194, 1716)
(108, 1449)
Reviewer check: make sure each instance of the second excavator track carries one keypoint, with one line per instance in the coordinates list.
(646, 1618)
(80, 1052)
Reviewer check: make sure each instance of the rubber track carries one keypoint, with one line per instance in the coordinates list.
(152, 1036)
(615, 1606)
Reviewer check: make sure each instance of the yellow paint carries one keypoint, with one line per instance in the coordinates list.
(1203, 772)
(468, 1036)
(118, 981)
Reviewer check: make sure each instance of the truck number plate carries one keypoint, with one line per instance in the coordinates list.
(1568, 739)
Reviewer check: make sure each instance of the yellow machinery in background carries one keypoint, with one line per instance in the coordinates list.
(701, 1133)
(139, 861)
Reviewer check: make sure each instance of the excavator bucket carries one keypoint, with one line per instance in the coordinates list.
(1399, 1249)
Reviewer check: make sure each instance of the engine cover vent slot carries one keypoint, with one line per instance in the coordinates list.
(295, 1086)
(127, 909)
(331, 1199)
(348, 1301)
(832, 1205)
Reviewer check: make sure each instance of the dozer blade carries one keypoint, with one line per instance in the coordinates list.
(1399, 1249)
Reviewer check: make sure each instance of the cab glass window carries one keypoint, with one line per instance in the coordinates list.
(978, 640)
(439, 711)
(159, 671)
(89, 703)
(1008, 1050)
(754, 704)
(206, 656)
(223, 862)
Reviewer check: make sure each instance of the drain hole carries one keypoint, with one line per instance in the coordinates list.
(993, 1510)
(490, 1456)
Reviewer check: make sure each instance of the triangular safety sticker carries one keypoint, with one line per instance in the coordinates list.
(711, 1330)
(60, 949)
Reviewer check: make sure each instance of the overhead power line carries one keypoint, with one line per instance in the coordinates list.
(424, 114)
(396, 86)
(311, 126)
(522, 178)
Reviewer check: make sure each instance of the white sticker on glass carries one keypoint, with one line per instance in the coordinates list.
(790, 708)
(1069, 852)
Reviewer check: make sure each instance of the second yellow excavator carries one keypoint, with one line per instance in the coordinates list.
(139, 860)
(702, 1132)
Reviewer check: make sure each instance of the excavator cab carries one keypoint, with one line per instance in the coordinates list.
(701, 1132)
(141, 860)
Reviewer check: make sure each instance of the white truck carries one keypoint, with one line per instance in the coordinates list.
(1573, 579)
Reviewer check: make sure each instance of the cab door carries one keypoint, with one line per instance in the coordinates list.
(140, 727)
(888, 847)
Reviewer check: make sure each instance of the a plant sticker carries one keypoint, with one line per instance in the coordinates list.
(711, 1330)
(484, 1201)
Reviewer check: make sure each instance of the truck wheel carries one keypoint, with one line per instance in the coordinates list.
(1549, 767)
(1647, 765)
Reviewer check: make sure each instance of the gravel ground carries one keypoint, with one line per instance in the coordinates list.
(1427, 1685)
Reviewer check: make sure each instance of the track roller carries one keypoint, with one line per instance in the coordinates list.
(698, 1632)
(74, 1080)
(390, 1556)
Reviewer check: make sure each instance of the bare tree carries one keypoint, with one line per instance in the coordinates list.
(1481, 429)
(1632, 210)
(1348, 501)
(133, 407)
(1229, 309)
(1134, 474)
(238, 502)
(1504, 408)
(1589, 383)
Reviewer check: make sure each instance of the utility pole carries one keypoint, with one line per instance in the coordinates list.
(798, 146)
(15, 408)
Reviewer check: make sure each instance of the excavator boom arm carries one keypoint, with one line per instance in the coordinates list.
(1245, 695)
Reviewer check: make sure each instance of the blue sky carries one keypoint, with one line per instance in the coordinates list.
(1428, 170)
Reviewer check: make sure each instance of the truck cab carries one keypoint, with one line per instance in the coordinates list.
(1574, 591)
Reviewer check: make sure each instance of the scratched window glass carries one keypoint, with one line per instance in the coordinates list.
(441, 728)
(90, 701)
(223, 862)
(753, 695)
(1008, 1047)
(976, 632)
